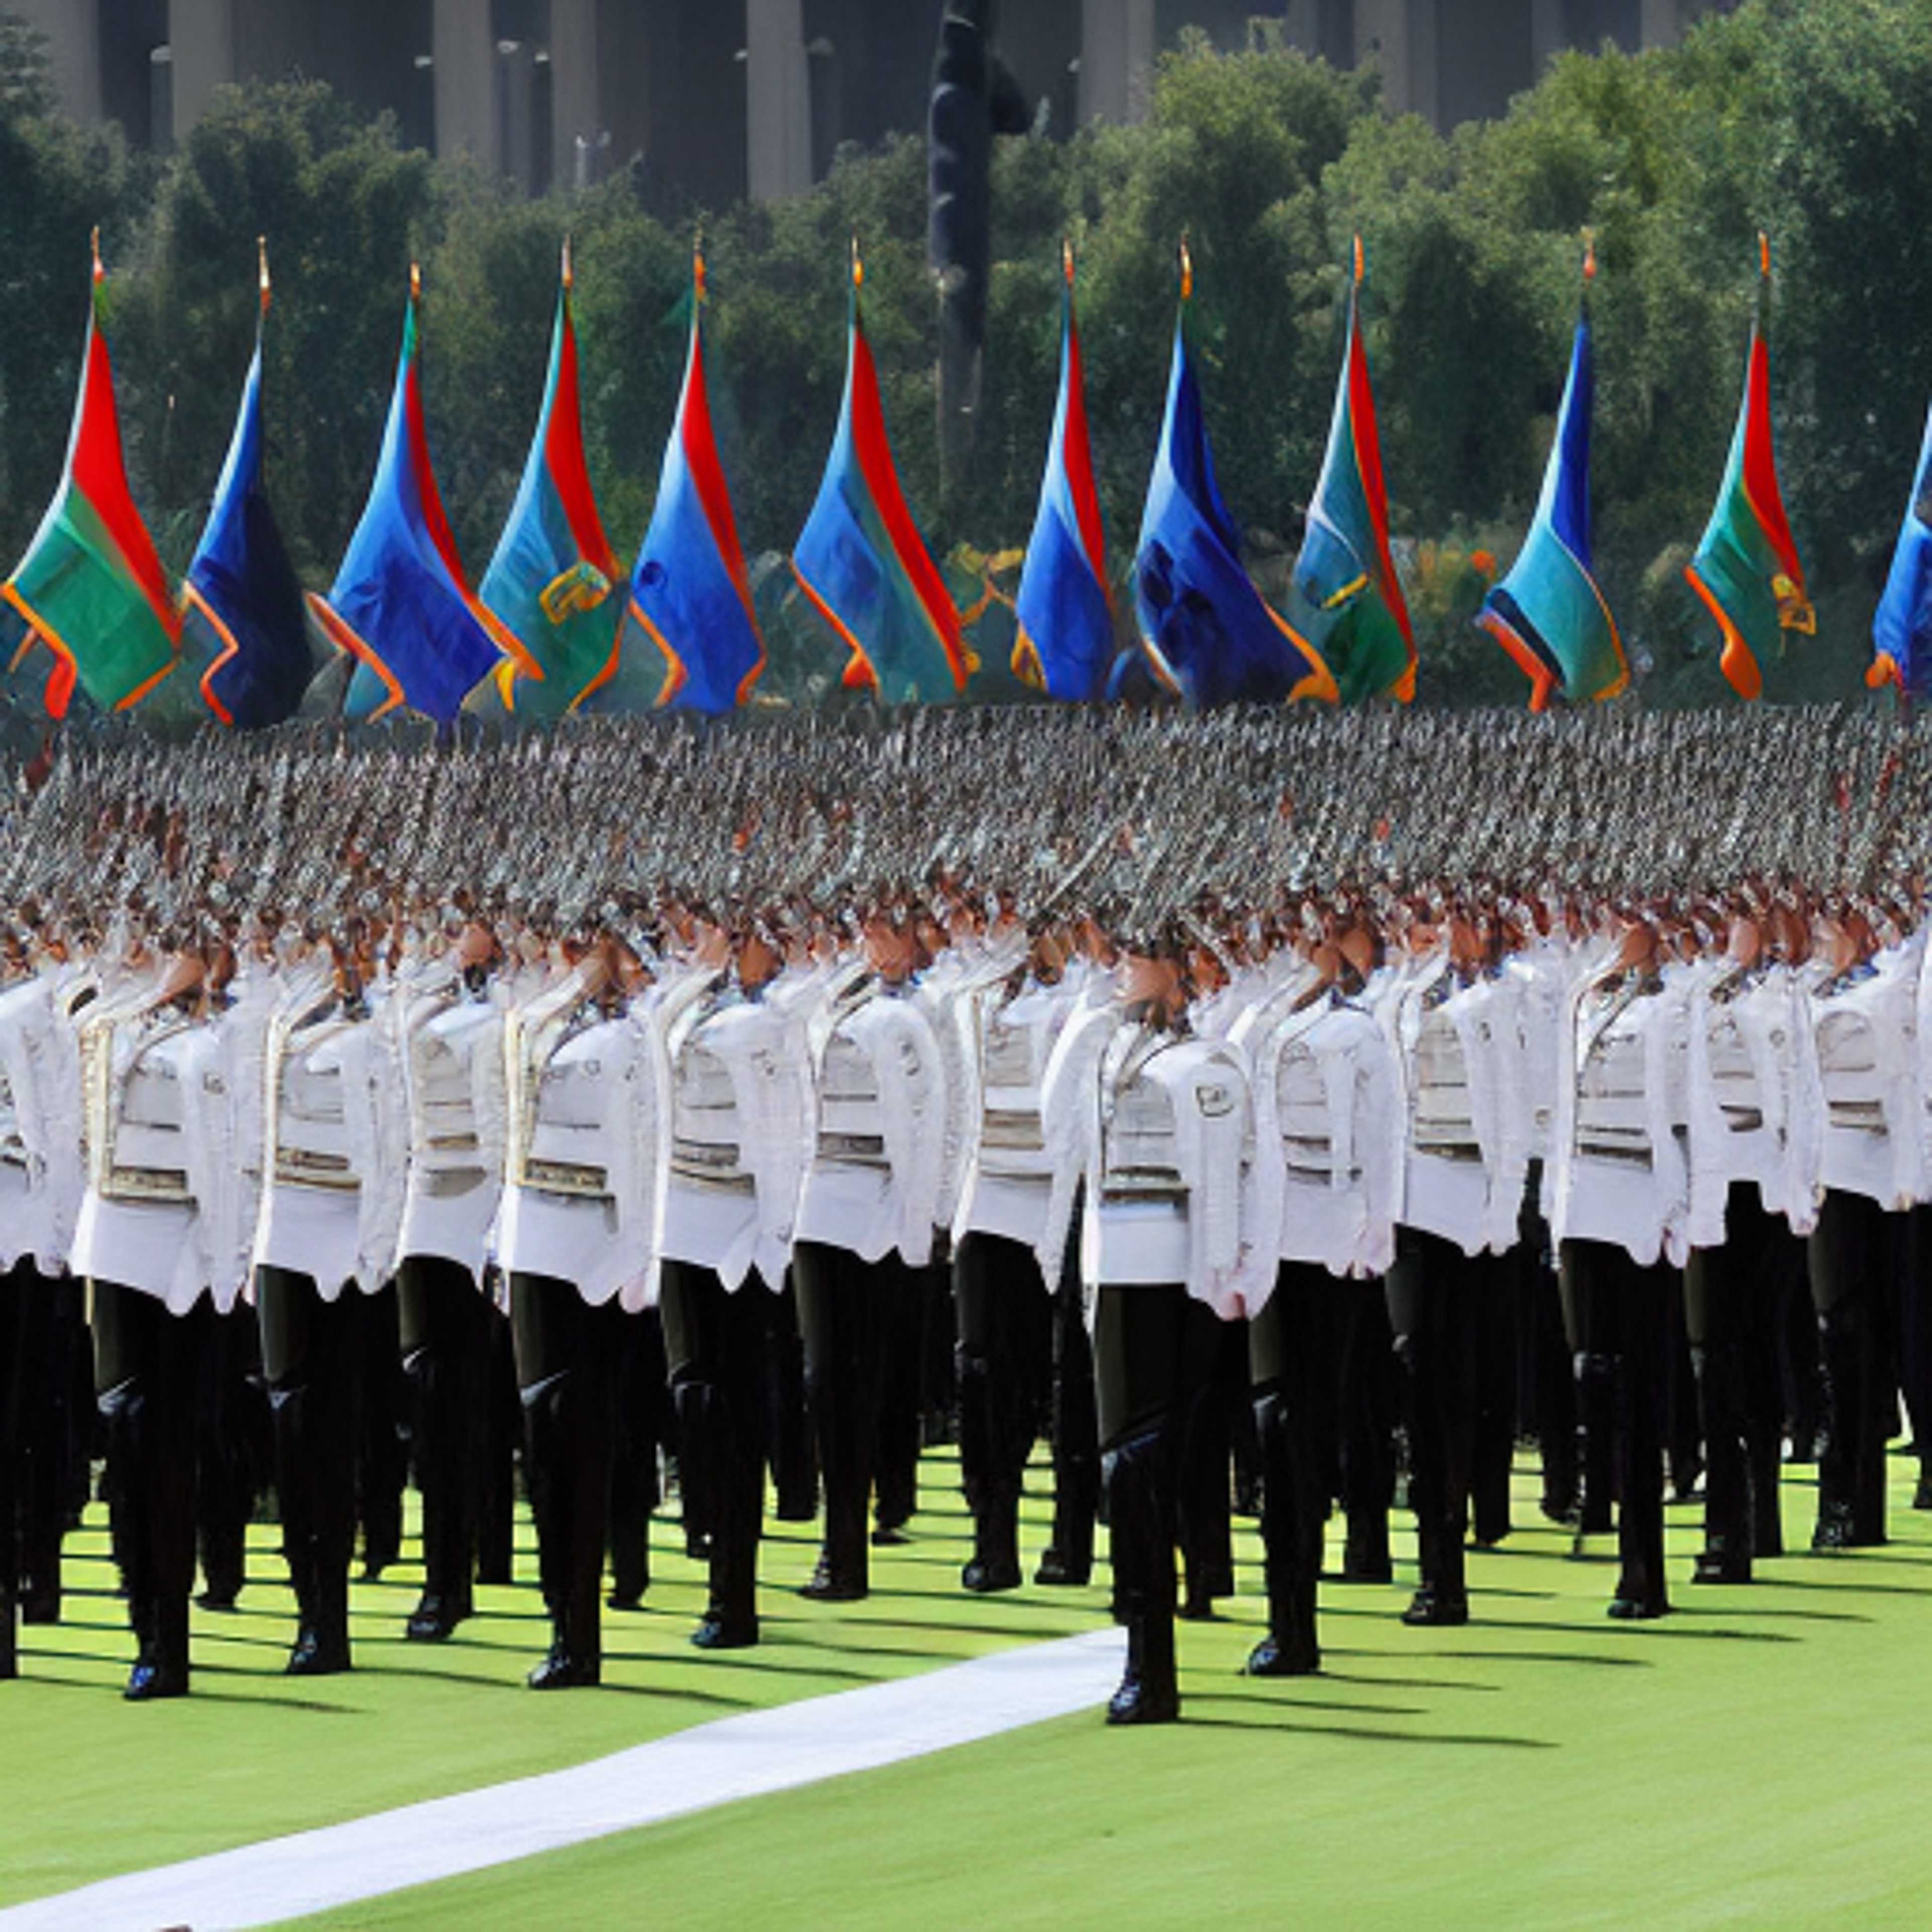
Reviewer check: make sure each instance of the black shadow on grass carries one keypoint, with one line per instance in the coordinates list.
(1395, 1683)
(1277, 1700)
(199, 1693)
(1540, 1657)
(1836, 1585)
(1652, 1626)
(1749, 1610)
(1044, 1632)
(671, 1693)
(1267, 1720)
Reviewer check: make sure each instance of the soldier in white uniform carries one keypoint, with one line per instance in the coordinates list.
(155, 1104)
(1000, 1288)
(451, 1059)
(335, 1170)
(577, 1238)
(1324, 1186)
(867, 1205)
(1755, 1115)
(1167, 1120)
(1863, 999)
(1617, 1193)
(741, 1117)
(40, 1186)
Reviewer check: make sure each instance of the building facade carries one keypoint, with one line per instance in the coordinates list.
(705, 101)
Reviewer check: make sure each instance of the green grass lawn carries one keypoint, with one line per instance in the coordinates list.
(1761, 1757)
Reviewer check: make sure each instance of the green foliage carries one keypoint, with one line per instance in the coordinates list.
(1812, 118)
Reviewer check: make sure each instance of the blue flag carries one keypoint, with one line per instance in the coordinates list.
(241, 594)
(1902, 628)
(1208, 633)
(1066, 640)
(399, 605)
(1548, 613)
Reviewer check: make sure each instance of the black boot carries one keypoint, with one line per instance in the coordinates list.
(162, 1670)
(1148, 1693)
(1766, 1518)
(1726, 1554)
(1140, 1514)
(1291, 1647)
(1596, 1443)
(565, 1667)
(843, 1573)
(995, 1564)
(1840, 1334)
(9, 1651)
(1292, 1534)
(731, 1620)
(1365, 1554)
(1068, 1559)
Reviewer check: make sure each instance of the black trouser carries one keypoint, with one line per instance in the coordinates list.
(1076, 1424)
(313, 1355)
(56, 1421)
(233, 1454)
(14, 1295)
(567, 1353)
(794, 1455)
(641, 1423)
(1290, 1366)
(1617, 1315)
(845, 1312)
(1204, 1489)
(443, 1334)
(901, 1419)
(1156, 1351)
(381, 1453)
(1492, 1444)
(502, 1430)
(146, 1365)
(1436, 1295)
(1731, 1298)
(1853, 1254)
(1365, 1364)
(715, 1350)
(1914, 1337)
(1546, 1376)
(997, 1296)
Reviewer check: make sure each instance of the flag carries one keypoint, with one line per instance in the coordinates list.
(241, 594)
(861, 560)
(1206, 632)
(1066, 640)
(689, 589)
(91, 587)
(399, 605)
(1746, 572)
(1548, 613)
(1357, 618)
(1902, 627)
(551, 581)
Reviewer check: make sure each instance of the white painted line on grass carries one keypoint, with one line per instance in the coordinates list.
(745, 1756)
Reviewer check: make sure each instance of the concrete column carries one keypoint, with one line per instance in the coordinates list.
(1547, 37)
(1662, 22)
(575, 105)
(201, 34)
(466, 80)
(73, 33)
(1301, 25)
(777, 101)
(1403, 35)
(1425, 60)
(1117, 53)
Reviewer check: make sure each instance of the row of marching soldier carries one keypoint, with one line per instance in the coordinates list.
(1260, 1163)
